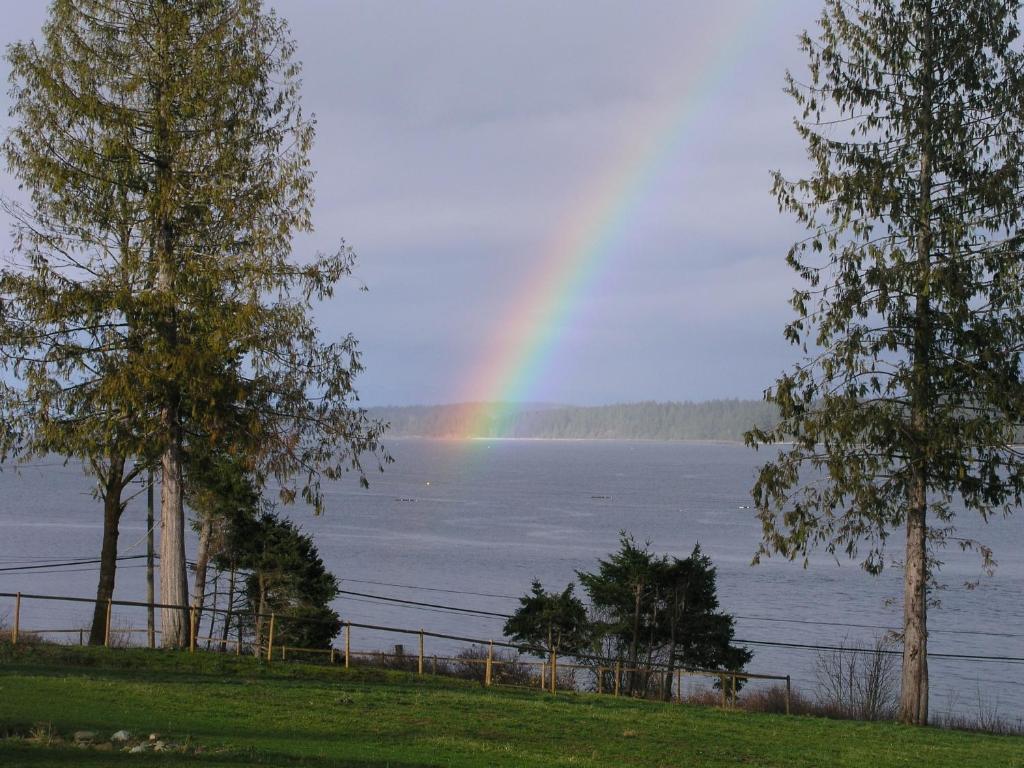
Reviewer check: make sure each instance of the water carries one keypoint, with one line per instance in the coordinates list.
(490, 516)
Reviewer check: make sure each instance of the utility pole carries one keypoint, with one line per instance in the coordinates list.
(150, 619)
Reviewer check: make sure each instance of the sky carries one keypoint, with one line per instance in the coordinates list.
(563, 202)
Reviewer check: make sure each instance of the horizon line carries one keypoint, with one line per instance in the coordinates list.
(554, 404)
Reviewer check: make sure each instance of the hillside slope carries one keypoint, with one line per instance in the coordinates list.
(227, 711)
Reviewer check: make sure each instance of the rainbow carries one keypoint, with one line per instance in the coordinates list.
(524, 343)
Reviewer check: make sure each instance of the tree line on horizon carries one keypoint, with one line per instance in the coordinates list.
(726, 420)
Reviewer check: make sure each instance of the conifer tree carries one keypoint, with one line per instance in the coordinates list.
(911, 315)
(284, 575)
(156, 301)
(658, 609)
(555, 622)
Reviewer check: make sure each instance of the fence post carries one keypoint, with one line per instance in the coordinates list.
(679, 686)
(734, 690)
(787, 694)
(618, 676)
(106, 631)
(554, 671)
(419, 664)
(284, 652)
(490, 662)
(348, 641)
(721, 682)
(17, 618)
(332, 654)
(192, 629)
(599, 681)
(270, 639)
(81, 637)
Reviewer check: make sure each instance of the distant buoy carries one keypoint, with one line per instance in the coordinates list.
(428, 482)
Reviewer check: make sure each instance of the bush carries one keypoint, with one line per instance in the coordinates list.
(772, 700)
(24, 637)
(506, 668)
(985, 719)
(858, 684)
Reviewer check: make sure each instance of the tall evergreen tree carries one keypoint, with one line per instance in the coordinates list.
(911, 315)
(165, 155)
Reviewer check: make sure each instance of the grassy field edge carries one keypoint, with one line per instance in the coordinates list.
(229, 711)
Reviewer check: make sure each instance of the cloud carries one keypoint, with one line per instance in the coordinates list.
(456, 137)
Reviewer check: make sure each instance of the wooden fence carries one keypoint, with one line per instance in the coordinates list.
(550, 673)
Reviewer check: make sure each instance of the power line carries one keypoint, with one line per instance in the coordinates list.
(90, 569)
(45, 559)
(431, 589)
(67, 563)
(779, 644)
(773, 619)
(931, 654)
(454, 608)
(874, 626)
(445, 612)
(439, 608)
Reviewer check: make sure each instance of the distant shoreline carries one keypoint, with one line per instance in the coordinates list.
(722, 421)
(455, 439)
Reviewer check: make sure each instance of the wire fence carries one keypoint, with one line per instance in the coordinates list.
(488, 661)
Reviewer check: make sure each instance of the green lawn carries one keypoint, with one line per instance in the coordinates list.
(241, 713)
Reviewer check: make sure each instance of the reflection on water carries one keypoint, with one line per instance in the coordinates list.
(489, 516)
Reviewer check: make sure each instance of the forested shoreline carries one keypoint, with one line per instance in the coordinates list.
(710, 420)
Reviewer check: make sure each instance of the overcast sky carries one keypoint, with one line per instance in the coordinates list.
(455, 140)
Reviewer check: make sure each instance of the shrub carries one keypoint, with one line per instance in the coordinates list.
(859, 684)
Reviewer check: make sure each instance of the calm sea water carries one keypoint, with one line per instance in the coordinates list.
(490, 516)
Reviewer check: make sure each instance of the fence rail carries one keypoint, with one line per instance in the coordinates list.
(547, 669)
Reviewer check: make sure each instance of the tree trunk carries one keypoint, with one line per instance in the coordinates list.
(202, 560)
(230, 613)
(634, 651)
(112, 509)
(914, 679)
(173, 579)
(215, 606)
(261, 608)
(667, 688)
(914, 676)
(674, 619)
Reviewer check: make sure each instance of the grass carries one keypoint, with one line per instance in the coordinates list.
(242, 712)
